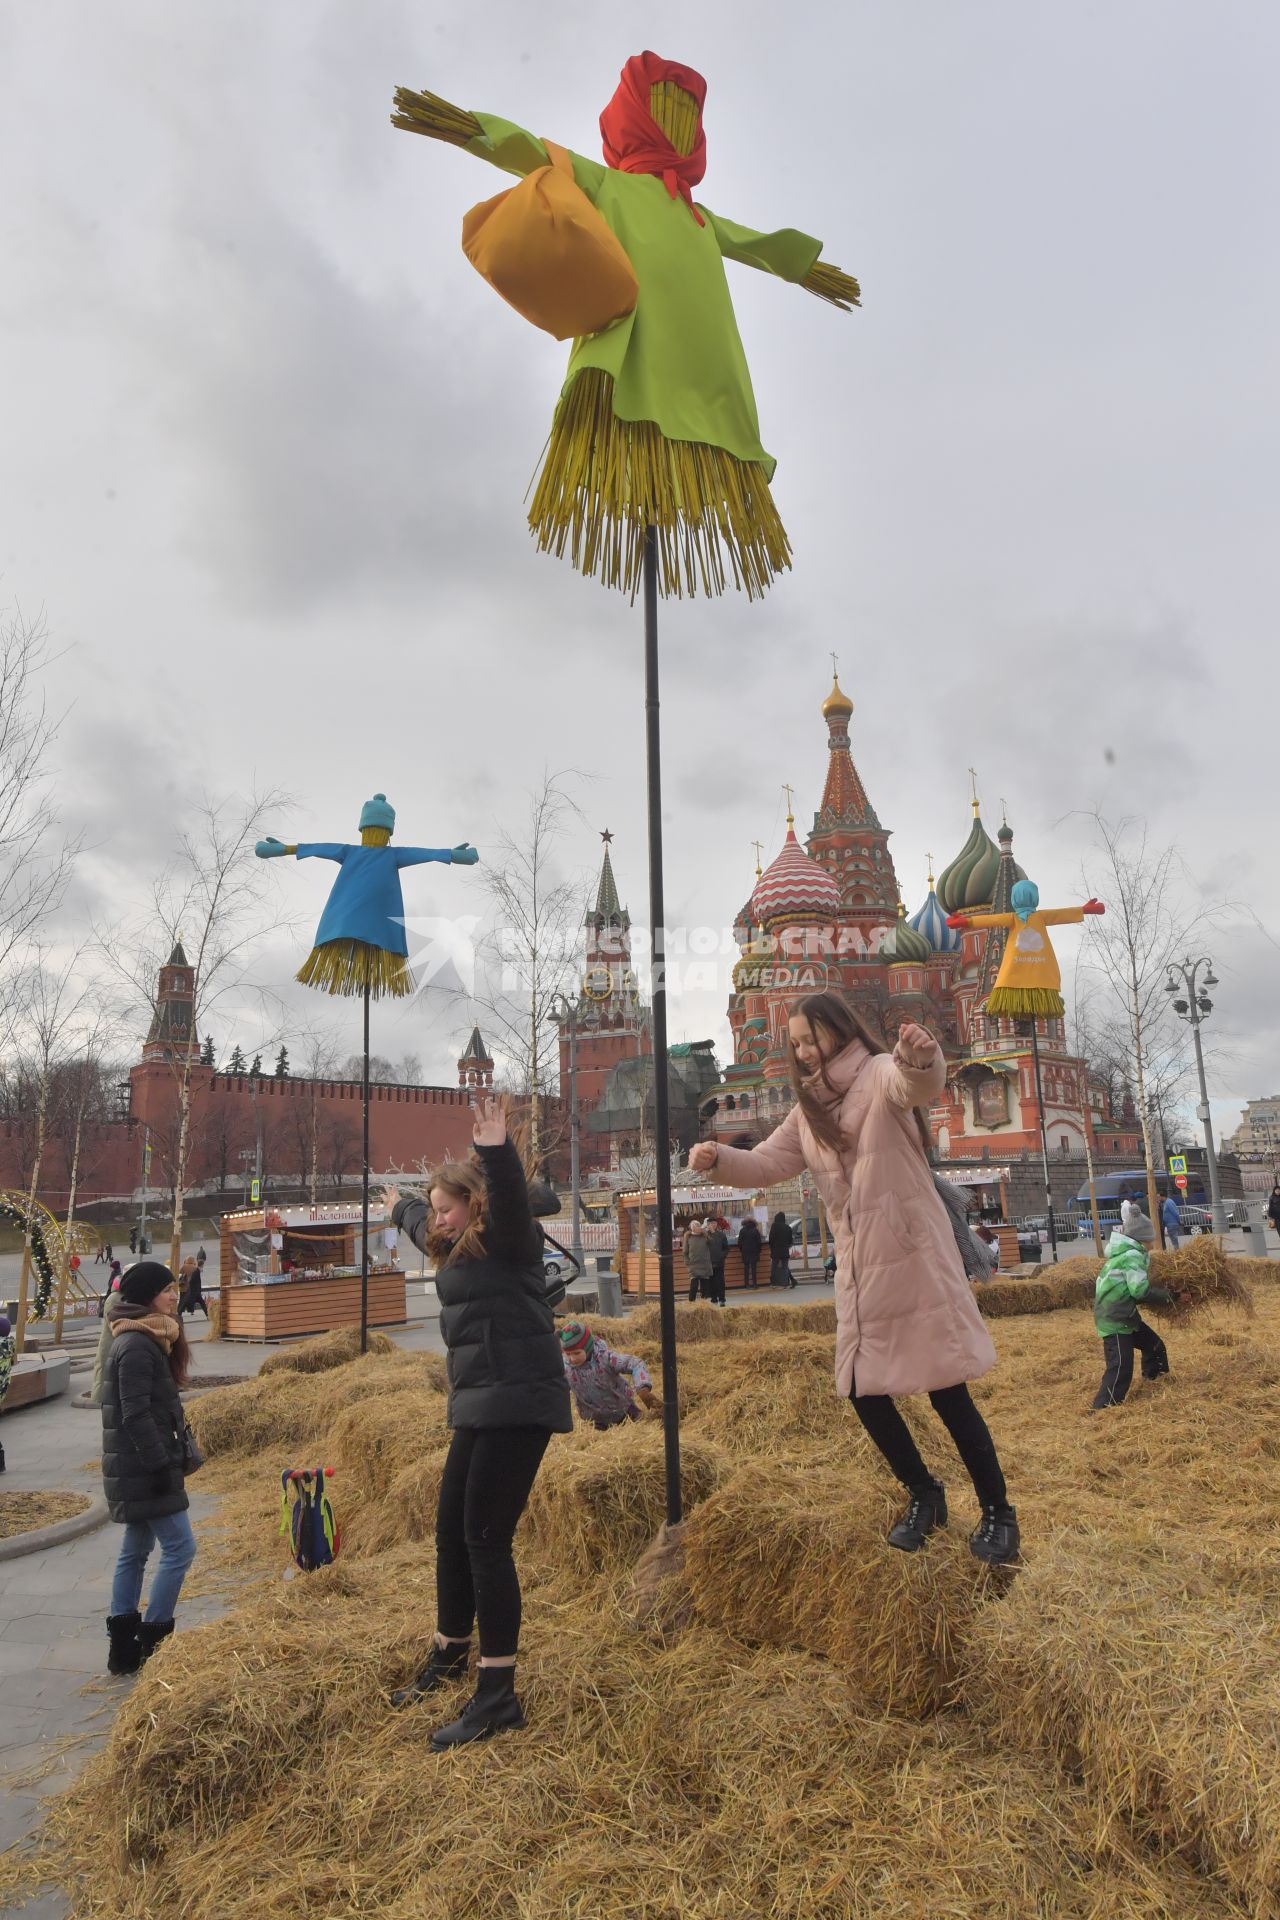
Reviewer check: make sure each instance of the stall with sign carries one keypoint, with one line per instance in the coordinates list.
(290, 1271)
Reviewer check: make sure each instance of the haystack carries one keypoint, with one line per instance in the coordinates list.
(601, 1497)
(1154, 1682)
(800, 1561)
(325, 1350)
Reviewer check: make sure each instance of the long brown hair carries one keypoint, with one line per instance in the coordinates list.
(464, 1180)
(831, 1014)
(180, 1357)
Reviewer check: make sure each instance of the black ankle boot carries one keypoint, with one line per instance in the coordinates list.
(150, 1634)
(124, 1655)
(492, 1708)
(996, 1539)
(443, 1664)
(926, 1511)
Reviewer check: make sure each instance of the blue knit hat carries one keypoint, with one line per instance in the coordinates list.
(378, 813)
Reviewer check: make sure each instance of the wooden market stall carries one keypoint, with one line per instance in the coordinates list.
(695, 1203)
(291, 1271)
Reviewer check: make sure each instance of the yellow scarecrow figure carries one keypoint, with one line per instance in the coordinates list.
(1029, 983)
(656, 424)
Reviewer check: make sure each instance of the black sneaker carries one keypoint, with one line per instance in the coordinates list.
(926, 1511)
(443, 1664)
(997, 1539)
(492, 1708)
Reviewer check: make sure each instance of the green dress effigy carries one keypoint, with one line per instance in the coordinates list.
(656, 423)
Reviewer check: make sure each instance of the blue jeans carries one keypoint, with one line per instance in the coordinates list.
(177, 1551)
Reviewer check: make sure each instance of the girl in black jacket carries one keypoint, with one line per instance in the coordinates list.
(143, 1430)
(507, 1396)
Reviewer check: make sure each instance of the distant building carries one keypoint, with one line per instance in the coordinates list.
(829, 915)
(1258, 1135)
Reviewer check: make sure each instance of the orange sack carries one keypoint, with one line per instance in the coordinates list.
(546, 250)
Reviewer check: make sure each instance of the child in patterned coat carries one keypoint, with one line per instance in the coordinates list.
(605, 1385)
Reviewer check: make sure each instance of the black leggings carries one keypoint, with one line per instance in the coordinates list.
(487, 1480)
(1117, 1352)
(954, 1407)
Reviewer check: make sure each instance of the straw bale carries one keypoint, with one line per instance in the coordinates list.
(775, 1397)
(801, 1560)
(325, 1350)
(601, 1497)
(256, 1773)
(1155, 1682)
(1200, 1272)
(288, 1410)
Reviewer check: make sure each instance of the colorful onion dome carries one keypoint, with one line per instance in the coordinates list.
(756, 954)
(931, 921)
(969, 882)
(902, 942)
(837, 701)
(794, 887)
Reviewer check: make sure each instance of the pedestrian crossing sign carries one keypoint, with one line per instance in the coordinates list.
(1177, 1163)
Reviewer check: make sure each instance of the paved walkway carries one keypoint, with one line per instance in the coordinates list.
(58, 1700)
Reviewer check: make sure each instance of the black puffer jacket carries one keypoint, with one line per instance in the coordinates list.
(506, 1368)
(142, 1429)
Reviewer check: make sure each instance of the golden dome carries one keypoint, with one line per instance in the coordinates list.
(837, 701)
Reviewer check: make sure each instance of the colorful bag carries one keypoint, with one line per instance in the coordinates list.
(310, 1524)
(550, 254)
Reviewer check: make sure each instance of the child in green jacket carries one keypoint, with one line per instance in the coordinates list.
(1123, 1280)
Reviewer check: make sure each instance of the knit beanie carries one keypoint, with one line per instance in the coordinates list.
(575, 1335)
(144, 1281)
(378, 812)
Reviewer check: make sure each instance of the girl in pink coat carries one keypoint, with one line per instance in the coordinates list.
(906, 1319)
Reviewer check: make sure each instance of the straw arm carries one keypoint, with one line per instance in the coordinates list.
(438, 119)
(830, 283)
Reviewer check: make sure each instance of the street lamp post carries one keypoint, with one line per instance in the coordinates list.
(565, 1014)
(1193, 1008)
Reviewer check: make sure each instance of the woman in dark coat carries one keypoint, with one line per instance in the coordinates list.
(780, 1238)
(142, 1458)
(507, 1396)
(1273, 1207)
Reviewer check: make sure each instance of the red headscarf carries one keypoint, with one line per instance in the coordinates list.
(633, 140)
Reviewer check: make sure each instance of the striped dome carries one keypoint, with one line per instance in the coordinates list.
(794, 887)
(969, 882)
(931, 922)
(902, 942)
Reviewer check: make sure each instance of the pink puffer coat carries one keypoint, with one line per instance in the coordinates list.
(906, 1318)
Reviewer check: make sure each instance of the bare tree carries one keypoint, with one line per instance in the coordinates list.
(35, 858)
(45, 1008)
(1147, 922)
(208, 902)
(533, 948)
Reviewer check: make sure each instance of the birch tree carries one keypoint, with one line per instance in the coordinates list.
(532, 951)
(36, 857)
(1148, 921)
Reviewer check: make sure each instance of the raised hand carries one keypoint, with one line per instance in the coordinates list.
(1093, 906)
(916, 1047)
(703, 1156)
(464, 855)
(270, 848)
(490, 1129)
(390, 1197)
(957, 919)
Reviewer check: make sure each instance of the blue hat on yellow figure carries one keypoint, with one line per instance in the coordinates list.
(360, 943)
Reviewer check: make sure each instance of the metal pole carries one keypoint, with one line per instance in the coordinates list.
(575, 1141)
(364, 1191)
(146, 1175)
(1211, 1152)
(661, 1095)
(1044, 1142)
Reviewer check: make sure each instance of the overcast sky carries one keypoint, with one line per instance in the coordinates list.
(266, 437)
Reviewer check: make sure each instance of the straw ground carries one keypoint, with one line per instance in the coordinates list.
(834, 1730)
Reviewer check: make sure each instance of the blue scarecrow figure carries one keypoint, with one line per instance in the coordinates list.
(360, 944)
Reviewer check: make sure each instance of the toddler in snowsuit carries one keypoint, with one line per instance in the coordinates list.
(1123, 1280)
(598, 1378)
